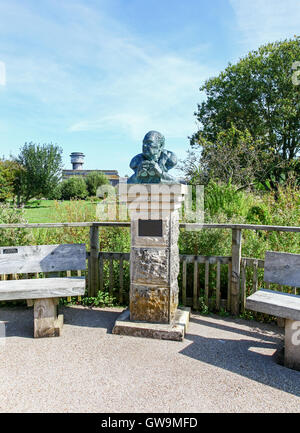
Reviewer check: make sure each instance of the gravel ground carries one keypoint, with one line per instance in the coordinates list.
(223, 365)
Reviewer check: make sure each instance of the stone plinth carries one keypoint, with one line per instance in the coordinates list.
(162, 331)
(153, 273)
(154, 256)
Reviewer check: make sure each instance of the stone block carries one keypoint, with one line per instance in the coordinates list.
(150, 265)
(170, 233)
(149, 303)
(152, 303)
(163, 331)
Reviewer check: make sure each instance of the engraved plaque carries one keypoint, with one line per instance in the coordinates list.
(150, 228)
(10, 251)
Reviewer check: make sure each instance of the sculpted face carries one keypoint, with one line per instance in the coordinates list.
(152, 146)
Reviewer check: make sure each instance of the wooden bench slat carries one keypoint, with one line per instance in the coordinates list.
(282, 268)
(41, 288)
(275, 303)
(42, 258)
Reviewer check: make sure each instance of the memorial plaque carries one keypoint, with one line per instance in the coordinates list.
(150, 228)
(10, 251)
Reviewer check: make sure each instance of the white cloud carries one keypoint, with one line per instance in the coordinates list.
(263, 21)
(130, 123)
(155, 95)
(97, 75)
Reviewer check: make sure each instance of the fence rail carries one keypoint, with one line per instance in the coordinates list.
(188, 226)
(218, 281)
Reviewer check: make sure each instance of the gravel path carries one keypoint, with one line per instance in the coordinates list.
(223, 365)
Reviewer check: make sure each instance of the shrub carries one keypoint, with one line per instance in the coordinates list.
(93, 180)
(74, 187)
(222, 198)
(94, 199)
(223, 204)
(55, 194)
(9, 237)
(9, 170)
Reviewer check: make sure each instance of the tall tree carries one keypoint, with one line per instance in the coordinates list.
(42, 170)
(259, 98)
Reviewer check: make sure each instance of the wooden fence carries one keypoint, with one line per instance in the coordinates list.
(215, 281)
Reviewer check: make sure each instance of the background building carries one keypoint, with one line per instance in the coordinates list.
(77, 161)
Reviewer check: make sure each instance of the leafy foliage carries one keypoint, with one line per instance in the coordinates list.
(73, 188)
(224, 199)
(42, 170)
(9, 171)
(232, 158)
(224, 204)
(55, 194)
(250, 121)
(13, 236)
(103, 299)
(93, 181)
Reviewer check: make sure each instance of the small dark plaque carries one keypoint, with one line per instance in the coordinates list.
(150, 228)
(10, 251)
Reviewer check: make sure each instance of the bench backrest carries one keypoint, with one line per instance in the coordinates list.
(42, 258)
(282, 268)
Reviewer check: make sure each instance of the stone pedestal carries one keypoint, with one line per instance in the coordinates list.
(153, 272)
(154, 259)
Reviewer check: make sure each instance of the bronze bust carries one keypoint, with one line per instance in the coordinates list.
(152, 165)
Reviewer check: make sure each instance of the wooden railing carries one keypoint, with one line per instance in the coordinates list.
(110, 270)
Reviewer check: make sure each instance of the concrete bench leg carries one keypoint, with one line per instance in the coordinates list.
(46, 322)
(292, 344)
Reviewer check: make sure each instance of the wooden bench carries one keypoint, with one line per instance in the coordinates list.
(283, 269)
(43, 293)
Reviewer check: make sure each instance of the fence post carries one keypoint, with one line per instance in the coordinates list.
(94, 262)
(236, 254)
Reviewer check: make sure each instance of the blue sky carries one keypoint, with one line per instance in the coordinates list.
(96, 75)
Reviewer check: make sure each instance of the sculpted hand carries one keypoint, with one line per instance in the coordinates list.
(143, 169)
(155, 170)
(150, 168)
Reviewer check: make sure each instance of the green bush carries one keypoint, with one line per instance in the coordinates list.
(103, 299)
(223, 204)
(6, 187)
(13, 236)
(55, 194)
(9, 170)
(74, 187)
(93, 180)
(225, 199)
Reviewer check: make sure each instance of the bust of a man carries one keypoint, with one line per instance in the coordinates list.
(152, 165)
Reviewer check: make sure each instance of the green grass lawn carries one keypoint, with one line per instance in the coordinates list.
(50, 211)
